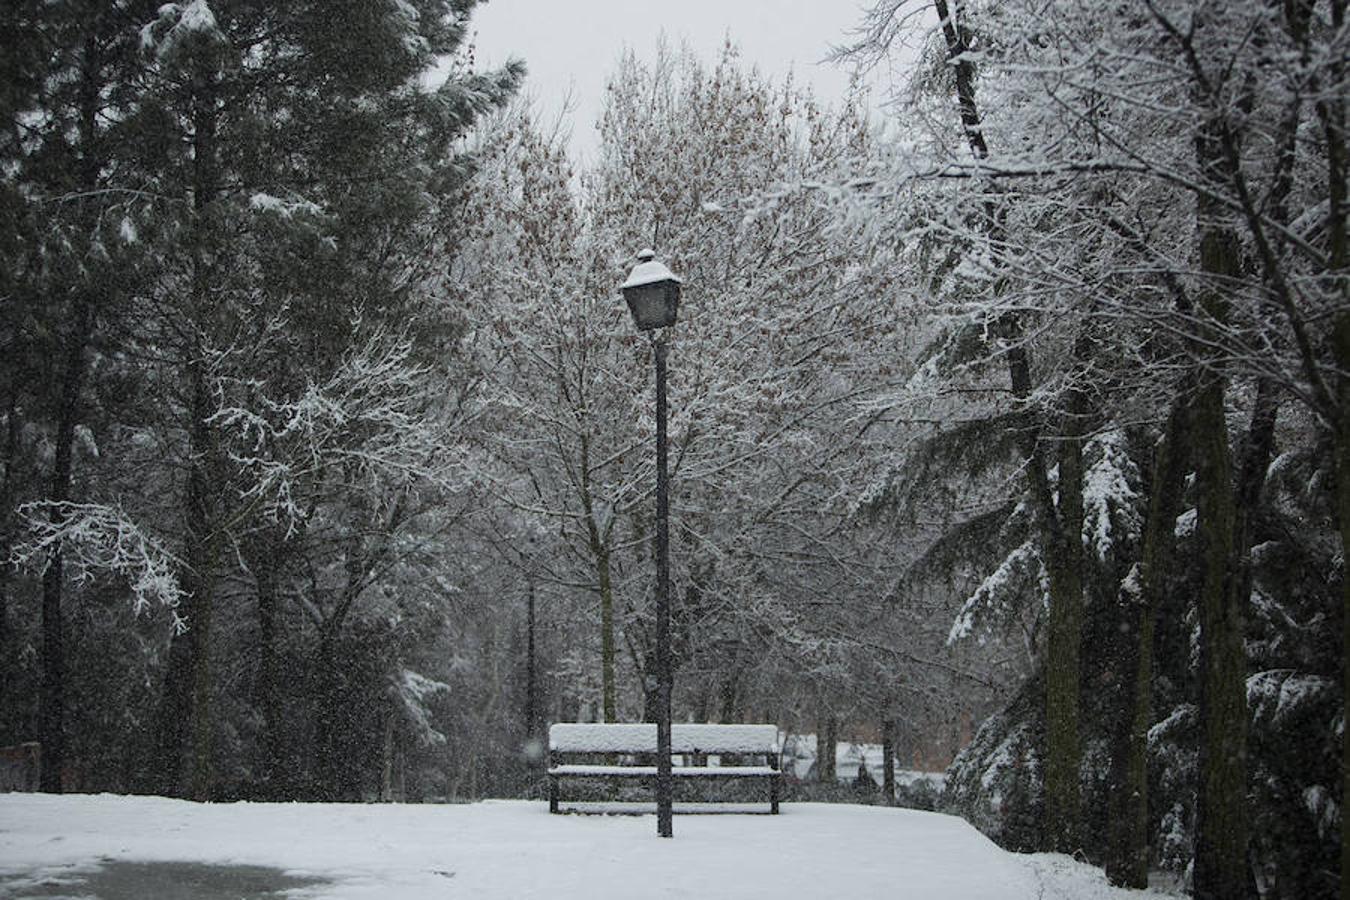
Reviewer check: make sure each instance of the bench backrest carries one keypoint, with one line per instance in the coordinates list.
(587, 737)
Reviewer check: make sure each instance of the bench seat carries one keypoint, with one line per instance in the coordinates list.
(580, 771)
(580, 750)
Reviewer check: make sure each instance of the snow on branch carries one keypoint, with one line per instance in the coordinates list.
(96, 539)
(179, 27)
(414, 693)
(1110, 502)
(997, 592)
(284, 207)
(1283, 696)
(373, 419)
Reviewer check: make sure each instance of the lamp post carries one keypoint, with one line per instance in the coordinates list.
(653, 296)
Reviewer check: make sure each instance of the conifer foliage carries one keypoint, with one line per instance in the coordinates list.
(1141, 209)
(225, 213)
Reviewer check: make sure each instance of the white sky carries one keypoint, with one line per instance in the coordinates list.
(575, 44)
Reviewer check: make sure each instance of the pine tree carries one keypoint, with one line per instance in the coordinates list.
(72, 65)
(252, 215)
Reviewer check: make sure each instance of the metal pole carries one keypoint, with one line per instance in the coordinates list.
(664, 826)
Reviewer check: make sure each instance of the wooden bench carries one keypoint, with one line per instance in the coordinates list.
(623, 751)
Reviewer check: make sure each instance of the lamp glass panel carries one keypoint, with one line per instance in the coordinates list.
(650, 305)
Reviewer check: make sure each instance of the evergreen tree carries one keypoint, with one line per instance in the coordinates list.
(283, 169)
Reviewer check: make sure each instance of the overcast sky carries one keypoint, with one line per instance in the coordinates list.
(575, 44)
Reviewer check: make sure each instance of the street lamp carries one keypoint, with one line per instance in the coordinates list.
(653, 297)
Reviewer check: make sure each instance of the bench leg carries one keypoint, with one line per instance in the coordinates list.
(773, 796)
(553, 793)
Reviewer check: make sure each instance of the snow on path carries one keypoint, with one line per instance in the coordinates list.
(514, 849)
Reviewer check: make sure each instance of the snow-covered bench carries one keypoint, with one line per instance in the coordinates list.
(581, 750)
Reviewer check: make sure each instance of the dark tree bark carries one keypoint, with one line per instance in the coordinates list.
(52, 721)
(184, 754)
(1221, 869)
(827, 736)
(608, 689)
(1221, 815)
(1063, 803)
(74, 349)
(272, 776)
(533, 726)
(599, 547)
(1257, 449)
(888, 760)
(200, 585)
(729, 691)
(202, 537)
(1128, 860)
(7, 503)
(1331, 111)
(387, 754)
(183, 748)
(1343, 516)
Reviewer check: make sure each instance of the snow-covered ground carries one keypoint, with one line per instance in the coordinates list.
(515, 849)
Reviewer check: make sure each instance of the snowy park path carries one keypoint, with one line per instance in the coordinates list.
(514, 849)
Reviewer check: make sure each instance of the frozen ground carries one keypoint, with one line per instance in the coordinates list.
(514, 849)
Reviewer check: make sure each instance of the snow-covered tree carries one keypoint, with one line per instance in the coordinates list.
(1139, 185)
(278, 173)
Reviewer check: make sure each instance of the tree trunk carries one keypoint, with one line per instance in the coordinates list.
(827, 736)
(533, 727)
(387, 759)
(1128, 861)
(1221, 869)
(729, 691)
(1061, 709)
(7, 504)
(325, 780)
(1332, 113)
(200, 525)
(51, 728)
(1257, 449)
(599, 548)
(1062, 668)
(271, 776)
(1221, 815)
(606, 632)
(1343, 514)
(701, 701)
(200, 583)
(1340, 257)
(1062, 527)
(201, 772)
(52, 721)
(165, 772)
(888, 760)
